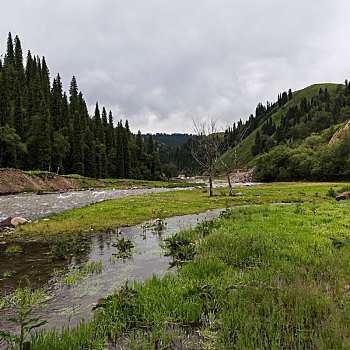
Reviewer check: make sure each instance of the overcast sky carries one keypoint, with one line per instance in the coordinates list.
(161, 63)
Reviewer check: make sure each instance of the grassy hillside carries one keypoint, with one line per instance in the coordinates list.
(244, 154)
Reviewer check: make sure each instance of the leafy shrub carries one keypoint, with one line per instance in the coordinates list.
(331, 193)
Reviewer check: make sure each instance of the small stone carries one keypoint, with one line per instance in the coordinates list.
(18, 220)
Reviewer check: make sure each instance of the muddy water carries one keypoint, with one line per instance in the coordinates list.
(69, 304)
(32, 206)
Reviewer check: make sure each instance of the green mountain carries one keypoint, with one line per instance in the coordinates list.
(291, 136)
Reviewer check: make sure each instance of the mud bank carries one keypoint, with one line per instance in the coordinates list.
(14, 181)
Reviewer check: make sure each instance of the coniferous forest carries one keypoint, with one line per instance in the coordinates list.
(44, 128)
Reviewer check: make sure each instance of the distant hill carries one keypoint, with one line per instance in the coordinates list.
(172, 140)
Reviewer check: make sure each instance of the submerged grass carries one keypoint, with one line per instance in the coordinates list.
(133, 210)
(33, 297)
(266, 277)
(77, 274)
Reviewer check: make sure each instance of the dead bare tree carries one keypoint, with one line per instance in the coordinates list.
(204, 148)
(232, 158)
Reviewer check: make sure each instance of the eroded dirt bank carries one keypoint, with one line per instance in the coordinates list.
(15, 181)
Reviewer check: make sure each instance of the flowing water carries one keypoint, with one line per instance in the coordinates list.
(32, 206)
(70, 304)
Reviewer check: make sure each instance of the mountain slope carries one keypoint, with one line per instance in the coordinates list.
(245, 157)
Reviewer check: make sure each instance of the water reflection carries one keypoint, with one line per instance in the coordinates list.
(72, 303)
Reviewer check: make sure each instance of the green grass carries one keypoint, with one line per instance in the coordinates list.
(133, 210)
(77, 274)
(29, 189)
(260, 277)
(13, 249)
(124, 183)
(33, 297)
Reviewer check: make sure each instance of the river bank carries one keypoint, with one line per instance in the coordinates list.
(109, 215)
(259, 277)
(14, 181)
(76, 224)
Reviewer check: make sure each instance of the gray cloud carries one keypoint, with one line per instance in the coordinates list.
(160, 63)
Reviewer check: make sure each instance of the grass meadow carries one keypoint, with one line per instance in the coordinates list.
(266, 277)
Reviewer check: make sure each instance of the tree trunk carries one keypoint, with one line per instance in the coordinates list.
(229, 184)
(210, 185)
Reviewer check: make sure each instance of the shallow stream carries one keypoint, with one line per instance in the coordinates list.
(32, 206)
(70, 304)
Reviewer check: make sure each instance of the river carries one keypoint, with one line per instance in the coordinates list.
(32, 206)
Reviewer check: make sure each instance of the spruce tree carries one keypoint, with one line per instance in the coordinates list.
(98, 132)
(126, 151)
(39, 142)
(18, 62)
(73, 95)
(19, 116)
(111, 128)
(10, 55)
(89, 154)
(119, 152)
(45, 79)
(77, 145)
(56, 104)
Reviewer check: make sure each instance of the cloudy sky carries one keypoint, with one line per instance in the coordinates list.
(161, 63)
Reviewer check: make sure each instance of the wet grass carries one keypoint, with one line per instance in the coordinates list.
(133, 210)
(124, 247)
(77, 274)
(33, 297)
(267, 277)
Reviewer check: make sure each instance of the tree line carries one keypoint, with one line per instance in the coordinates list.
(43, 128)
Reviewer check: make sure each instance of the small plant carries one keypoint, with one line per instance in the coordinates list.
(331, 193)
(159, 225)
(7, 274)
(313, 207)
(27, 325)
(180, 247)
(67, 246)
(225, 214)
(298, 209)
(124, 248)
(13, 249)
(205, 227)
(344, 189)
(338, 244)
(222, 193)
